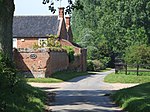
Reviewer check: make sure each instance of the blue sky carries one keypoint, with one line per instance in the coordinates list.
(35, 7)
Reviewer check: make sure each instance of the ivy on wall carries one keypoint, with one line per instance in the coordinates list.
(70, 52)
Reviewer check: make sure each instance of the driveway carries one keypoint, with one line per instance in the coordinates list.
(84, 94)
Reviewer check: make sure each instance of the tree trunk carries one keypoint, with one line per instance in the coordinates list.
(6, 20)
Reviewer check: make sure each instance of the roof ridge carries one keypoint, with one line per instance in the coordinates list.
(34, 15)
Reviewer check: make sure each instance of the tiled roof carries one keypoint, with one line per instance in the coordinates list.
(35, 26)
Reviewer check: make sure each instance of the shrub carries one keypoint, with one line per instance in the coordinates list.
(35, 46)
(15, 94)
(90, 65)
(98, 65)
(7, 72)
(53, 41)
(95, 65)
(7, 77)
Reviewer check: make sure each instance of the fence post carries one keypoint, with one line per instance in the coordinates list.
(137, 69)
(116, 69)
(126, 69)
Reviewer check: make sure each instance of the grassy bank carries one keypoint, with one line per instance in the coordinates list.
(22, 98)
(58, 77)
(44, 80)
(122, 78)
(135, 99)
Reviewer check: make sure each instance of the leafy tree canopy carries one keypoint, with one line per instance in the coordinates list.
(71, 6)
(138, 54)
(115, 25)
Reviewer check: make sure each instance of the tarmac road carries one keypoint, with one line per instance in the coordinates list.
(85, 94)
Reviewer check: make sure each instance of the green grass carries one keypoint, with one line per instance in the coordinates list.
(44, 80)
(24, 98)
(135, 68)
(122, 78)
(134, 99)
(140, 73)
(59, 77)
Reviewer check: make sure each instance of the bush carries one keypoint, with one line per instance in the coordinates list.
(95, 65)
(98, 65)
(15, 94)
(35, 46)
(7, 72)
(90, 65)
(53, 41)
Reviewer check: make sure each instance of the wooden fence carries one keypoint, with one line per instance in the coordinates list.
(132, 68)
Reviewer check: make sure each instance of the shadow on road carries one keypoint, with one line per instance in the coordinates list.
(76, 99)
(48, 88)
(86, 110)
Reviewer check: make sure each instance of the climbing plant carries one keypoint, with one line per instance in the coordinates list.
(70, 52)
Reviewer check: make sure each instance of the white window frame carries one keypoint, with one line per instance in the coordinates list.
(14, 42)
(40, 40)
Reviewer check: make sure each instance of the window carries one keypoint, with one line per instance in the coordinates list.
(14, 42)
(42, 42)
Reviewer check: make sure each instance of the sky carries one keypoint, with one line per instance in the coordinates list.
(35, 7)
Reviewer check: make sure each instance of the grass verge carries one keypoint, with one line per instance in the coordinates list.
(44, 80)
(122, 78)
(23, 98)
(134, 99)
(58, 77)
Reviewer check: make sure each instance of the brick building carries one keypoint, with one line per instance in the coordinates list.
(30, 30)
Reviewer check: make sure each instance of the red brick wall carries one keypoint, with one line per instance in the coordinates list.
(27, 43)
(44, 65)
(58, 61)
(80, 62)
(76, 65)
(67, 43)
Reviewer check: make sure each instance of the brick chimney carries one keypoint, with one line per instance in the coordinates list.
(61, 12)
(67, 21)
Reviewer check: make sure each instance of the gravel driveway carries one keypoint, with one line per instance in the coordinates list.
(84, 94)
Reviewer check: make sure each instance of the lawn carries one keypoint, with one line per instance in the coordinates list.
(23, 98)
(59, 77)
(134, 99)
(140, 73)
(44, 80)
(130, 78)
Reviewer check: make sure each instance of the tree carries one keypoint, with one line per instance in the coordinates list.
(138, 54)
(118, 24)
(71, 6)
(6, 19)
